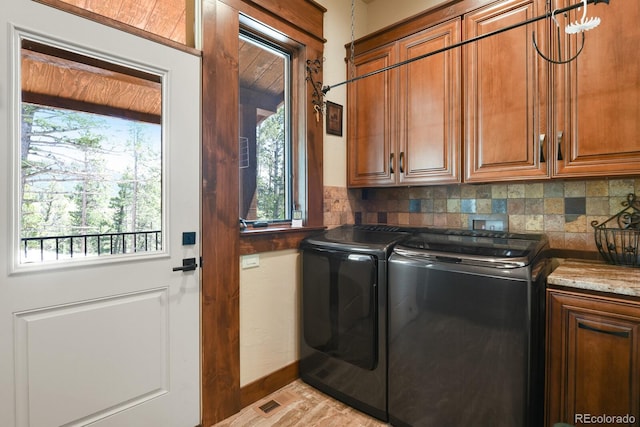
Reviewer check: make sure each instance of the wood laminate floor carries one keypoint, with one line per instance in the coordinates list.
(299, 404)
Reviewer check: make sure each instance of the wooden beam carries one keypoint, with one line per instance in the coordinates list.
(220, 228)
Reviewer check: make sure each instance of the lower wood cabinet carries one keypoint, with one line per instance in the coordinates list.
(592, 359)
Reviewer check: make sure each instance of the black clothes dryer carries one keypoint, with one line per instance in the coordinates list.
(344, 321)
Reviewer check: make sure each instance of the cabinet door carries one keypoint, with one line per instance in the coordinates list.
(505, 89)
(429, 107)
(598, 96)
(370, 114)
(592, 365)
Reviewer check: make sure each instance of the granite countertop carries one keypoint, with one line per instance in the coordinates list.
(597, 276)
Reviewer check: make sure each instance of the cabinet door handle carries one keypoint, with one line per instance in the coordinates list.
(391, 163)
(559, 139)
(621, 334)
(542, 138)
(402, 162)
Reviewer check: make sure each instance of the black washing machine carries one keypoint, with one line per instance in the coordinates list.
(343, 339)
(466, 329)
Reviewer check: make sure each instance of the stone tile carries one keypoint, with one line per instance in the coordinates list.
(454, 220)
(556, 239)
(554, 222)
(534, 206)
(440, 192)
(553, 189)
(440, 205)
(515, 191)
(517, 223)
(597, 188)
(382, 218)
(402, 205)
(499, 206)
(357, 218)
(499, 191)
(440, 220)
(453, 191)
(484, 191)
(464, 221)
(420, 219)
(453, 205)
(403, 218)
(421, 192)
(371, 218)
(515, 206)
(575, 205)
(575, 223)
(615, 204)
(534, 222)
(577, 241)
(621, 187)
(574, 189)
(554, 205)
(468, 192)
(534, 190)
(392, 218)
(597, 206)
(468, 205)
(483, 206)
(414, 205)
(426, 205)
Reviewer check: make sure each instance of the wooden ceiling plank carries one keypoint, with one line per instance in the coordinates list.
(164, 19)
(105, 8)
(135, 12)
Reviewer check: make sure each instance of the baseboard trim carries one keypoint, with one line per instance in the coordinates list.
(264, 386)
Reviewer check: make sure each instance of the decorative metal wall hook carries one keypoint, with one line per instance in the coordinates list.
(317, 98)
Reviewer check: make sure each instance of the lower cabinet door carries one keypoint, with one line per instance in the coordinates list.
(592, 363)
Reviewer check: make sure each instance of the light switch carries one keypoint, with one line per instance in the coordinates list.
(250, 261)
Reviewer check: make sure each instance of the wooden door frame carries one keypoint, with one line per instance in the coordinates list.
(302, 21)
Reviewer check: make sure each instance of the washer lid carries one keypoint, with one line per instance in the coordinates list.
(491, 248)
(361, 238)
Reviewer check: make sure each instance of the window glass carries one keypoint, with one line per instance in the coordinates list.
(90, 158)
(265, 142)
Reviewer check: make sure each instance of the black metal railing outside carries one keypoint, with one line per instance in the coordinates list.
(38, 249)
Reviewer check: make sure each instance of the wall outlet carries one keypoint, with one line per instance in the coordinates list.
(250, 261)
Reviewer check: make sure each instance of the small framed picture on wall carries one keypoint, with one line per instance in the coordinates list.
(334, 119)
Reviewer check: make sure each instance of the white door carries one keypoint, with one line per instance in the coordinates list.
(108, 340)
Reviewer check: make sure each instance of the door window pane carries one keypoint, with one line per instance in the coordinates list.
(90, 158)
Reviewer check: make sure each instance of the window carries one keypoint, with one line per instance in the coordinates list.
(265, 160)
(90, 158)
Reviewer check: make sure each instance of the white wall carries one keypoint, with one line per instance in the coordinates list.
(337, 30)
(380, 15)
(269, 314)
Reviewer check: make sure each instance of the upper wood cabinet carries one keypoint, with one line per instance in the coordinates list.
(521, 117)
(597, 96)
(371, 118)
(505, 96)
(404, 124)
(429, 107)
(592, 357)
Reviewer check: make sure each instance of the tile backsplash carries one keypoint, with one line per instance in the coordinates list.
(563, 210)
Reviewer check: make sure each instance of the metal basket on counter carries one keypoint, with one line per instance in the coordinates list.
(618, 238)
